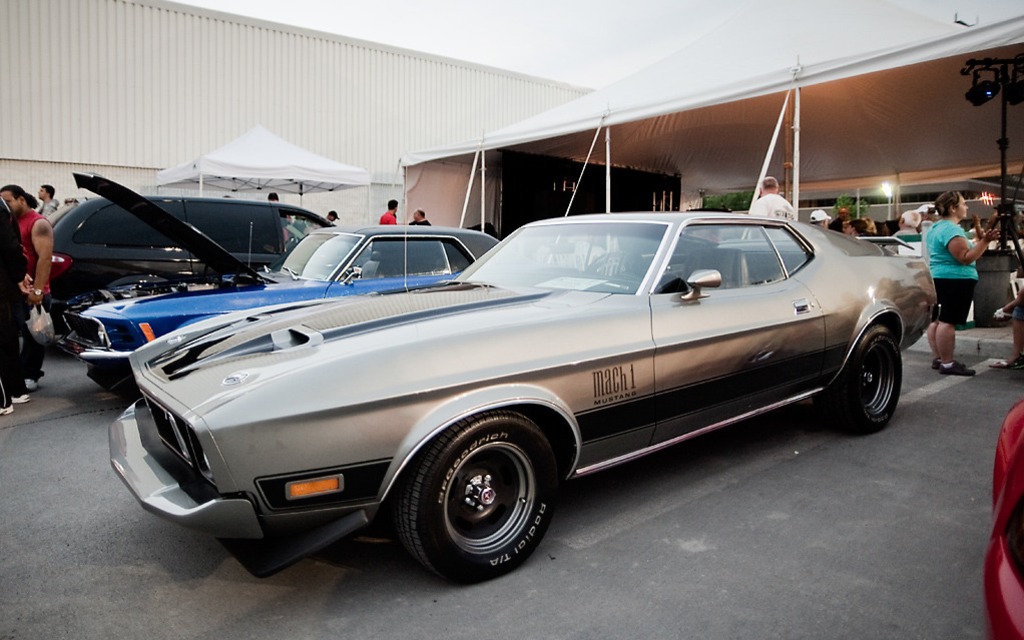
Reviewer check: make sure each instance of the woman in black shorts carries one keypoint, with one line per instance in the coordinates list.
(951, 261)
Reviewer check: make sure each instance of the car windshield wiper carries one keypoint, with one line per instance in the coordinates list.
(294, 275)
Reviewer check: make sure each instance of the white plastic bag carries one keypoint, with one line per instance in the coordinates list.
(40, 325)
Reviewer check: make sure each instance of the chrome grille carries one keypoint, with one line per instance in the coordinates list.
(172, 430)
(86, 330)
(178, 436)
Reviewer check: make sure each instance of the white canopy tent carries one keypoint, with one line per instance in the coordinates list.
(261, 160)
(879, 90)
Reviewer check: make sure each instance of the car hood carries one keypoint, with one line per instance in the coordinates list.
(185, 235)
(215, 300)
(211, 301)
(366, 346)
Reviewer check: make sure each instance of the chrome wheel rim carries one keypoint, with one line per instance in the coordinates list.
(489, 498)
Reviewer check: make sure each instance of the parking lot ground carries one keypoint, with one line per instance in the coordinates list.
(778, 527)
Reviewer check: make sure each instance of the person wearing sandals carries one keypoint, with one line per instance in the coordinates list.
(951, 260)
(1015, 310)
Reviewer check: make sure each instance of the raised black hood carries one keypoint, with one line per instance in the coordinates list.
(185, 235)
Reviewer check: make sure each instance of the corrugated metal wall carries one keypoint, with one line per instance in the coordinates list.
(147, 84)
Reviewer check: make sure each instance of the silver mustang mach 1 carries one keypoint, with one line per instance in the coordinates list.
(457, 410)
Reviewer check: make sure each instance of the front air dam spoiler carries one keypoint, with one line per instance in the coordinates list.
(265, 557)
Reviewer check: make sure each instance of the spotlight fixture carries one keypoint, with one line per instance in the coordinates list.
(981, 91)
(1014, 91)
(989, 76)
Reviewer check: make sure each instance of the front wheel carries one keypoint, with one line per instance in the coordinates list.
(863, 398)
(477, 500)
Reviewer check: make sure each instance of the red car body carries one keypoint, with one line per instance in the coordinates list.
(1004, 560)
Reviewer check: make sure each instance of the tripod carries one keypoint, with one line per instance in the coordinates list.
(1006, 211)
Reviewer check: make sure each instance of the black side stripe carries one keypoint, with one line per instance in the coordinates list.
(624, 417)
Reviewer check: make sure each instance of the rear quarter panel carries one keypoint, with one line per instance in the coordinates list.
(853, 289)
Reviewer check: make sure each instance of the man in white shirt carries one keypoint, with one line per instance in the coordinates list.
(910, 223)
(771, 204)
(47, 205)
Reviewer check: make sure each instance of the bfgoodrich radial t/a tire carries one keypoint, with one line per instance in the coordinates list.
(864, 396)
(477, 500)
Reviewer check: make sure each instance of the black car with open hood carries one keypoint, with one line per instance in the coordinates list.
(125, 240)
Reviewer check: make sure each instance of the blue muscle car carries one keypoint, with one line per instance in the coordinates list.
(328, 263)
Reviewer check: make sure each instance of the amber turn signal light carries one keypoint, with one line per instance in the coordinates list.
(147, 331)
(314, 487)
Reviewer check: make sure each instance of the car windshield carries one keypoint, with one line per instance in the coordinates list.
(318, 255)
(608, 257)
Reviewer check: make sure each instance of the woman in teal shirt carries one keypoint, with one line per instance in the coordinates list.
(951, 260)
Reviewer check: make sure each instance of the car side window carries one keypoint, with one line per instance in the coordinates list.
(295, 226)
(458, 260)
(230, 223)
(112, 226)
(388, 258)
(741, 253)
(793, 253)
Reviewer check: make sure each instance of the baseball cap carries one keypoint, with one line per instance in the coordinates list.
(912, 217)
(819, 215)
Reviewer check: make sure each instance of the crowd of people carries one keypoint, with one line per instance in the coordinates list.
(951, 254)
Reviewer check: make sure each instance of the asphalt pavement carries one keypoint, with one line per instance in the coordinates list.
(978, 343)
(777, 527)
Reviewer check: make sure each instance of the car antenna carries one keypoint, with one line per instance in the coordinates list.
(405, 248)
(248, 260)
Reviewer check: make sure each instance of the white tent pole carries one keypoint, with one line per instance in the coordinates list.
(469, 185)
(771, 147)
(200, 184)
(796, 150)
(585, 162)
(483, 185)
(607, 169)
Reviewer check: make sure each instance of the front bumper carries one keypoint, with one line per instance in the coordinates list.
(109, 368)
(155, 486)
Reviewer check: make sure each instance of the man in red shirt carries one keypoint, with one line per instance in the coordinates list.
(37, 243)
(390, 216)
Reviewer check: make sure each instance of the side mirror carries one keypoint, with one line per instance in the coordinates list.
(702, 278)
(353, 273)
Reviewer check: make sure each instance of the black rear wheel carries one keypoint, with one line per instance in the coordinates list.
(863, 398)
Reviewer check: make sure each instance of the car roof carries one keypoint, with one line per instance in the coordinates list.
(674, 217)
(475, 241)
(397, 230)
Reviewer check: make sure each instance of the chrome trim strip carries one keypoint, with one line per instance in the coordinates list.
(600, 466)
(100, 355)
